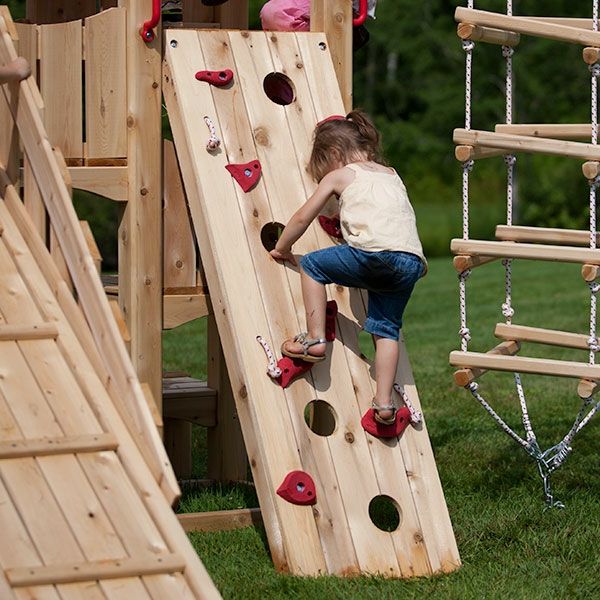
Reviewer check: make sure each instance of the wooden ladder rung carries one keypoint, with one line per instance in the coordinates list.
(544, 235)
(556, 131)
(526, 143)
(462, 263)
(520, 364)
(97, 442)
(94, 570)
(545, 29)
(39, 331)
(463, 377)
(568, 254)
(523, 333)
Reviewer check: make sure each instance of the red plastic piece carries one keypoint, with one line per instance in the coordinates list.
(331, 118)
(331, 225)
(361, 17)
(147, 30)
(216, 78)
(291, 368)
(246, 175)
(330, 315)
(377, 429)
(298, 488)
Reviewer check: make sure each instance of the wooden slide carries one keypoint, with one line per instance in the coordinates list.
(252, 296)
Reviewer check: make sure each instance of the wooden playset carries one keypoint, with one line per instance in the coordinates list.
(242, 107)
(533, 243)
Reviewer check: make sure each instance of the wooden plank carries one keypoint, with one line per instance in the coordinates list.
(523, 143)
(110, 182)
(233, 14)
(476, 33)
(222, 520)
(92, 246)
(545, 235)
(528, 251)
(88, 285)
(183, 308)
(522, 333)
(199, 410)
(39, 331)
(545, 29)
(546, 130)
(58, 445)
(179, 254)
(90, 571)
(520, 364)
(334, 18)
(569, 21)
(61, 58)
(178, 442)
(32, 199)
(140, 229)
(197, 12)
(105, 85)
(463, 377)
(39, 11)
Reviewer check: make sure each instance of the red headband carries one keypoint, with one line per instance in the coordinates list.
(332, 118)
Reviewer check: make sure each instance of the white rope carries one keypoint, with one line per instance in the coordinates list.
(213, 141)
(415, 415)
(272, 369)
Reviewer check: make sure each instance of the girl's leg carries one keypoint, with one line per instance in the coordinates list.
(315, 304)
(386, 363)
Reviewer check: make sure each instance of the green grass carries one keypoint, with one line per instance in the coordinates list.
(510, 546)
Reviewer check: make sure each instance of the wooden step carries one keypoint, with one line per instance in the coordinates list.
(519, 364)
(463, 377)
(566, 254)
(94, 570)
(40, 331)
(189, 399)
(544, 235)
(525, 143)
(556, 131)
(544, 29)
(523, 333)
(97, 442)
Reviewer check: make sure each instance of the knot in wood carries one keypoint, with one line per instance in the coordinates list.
(144, 191)
(349, 437)
(243, 392)
(262, 137)
(179, 264)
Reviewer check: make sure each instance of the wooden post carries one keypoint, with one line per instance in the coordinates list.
(59, 11)
(140, 231)
(226, 451)
(334, 17)
(178, 443)
(233, 14)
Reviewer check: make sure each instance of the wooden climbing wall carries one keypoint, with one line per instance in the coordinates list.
(253, 295)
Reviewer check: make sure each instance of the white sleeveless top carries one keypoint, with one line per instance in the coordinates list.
(376, 214)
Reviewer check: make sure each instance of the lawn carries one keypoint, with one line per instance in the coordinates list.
(510, 546)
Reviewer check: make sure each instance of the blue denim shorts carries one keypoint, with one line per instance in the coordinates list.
(389, 277)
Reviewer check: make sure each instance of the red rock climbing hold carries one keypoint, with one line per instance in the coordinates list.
(216, 78)
(246, 175)
(330, 315)
(298, 488)
(331, 225)
(291, 368)
(377, 429)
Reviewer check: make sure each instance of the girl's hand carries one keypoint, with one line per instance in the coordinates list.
(284, 256)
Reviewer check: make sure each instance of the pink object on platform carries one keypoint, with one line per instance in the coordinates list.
(331, 226)
(286, 15)
(291, 368)
(246, 175)
(216, 78)
(298, 487)
(377, 429)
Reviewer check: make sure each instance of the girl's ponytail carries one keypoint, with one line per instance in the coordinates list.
(367, 131)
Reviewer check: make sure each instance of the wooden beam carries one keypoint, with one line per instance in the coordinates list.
(463, 377)
(223, 520)
(465, 153)
(528, 251)
(519, 364)
(544, 235)
(99, 442)
(522, 143)
(476, 33)
(522, 333)
(544, 29)
(110, 182)
(568, 21)
(182, 308)
(42, 331)
(94, 570)
(556, 131)
(462, 263)
(92, 246)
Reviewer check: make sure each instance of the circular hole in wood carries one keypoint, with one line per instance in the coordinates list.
(366, 345)
(385, 513)
(269, 235)
(279, 88)
(320, 417)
